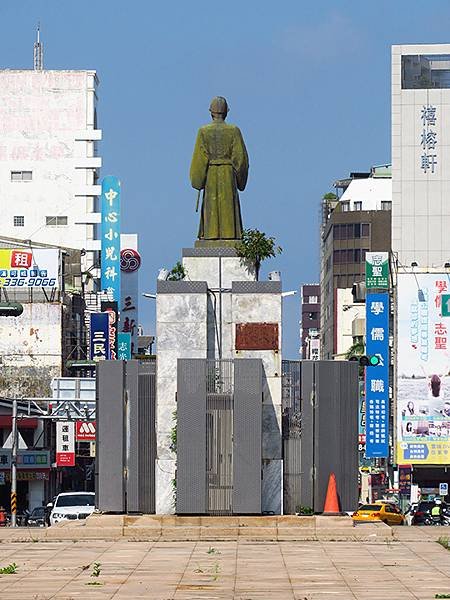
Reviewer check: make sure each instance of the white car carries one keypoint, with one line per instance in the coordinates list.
(72, 506)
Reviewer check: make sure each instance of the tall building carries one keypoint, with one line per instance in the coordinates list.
(357, 220)
(310, 322)
(421, 154)
(421, 260)
(48, 159)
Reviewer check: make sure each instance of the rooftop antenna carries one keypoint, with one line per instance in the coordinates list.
(38, 54)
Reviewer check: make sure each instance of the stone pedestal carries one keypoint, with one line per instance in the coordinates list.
(199, 317)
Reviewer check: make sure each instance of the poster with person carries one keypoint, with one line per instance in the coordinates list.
(423, 379)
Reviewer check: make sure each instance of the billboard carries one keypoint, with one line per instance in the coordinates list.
(110, 258)
(377, 377)
(99, 336)
(29, 268)
(130, 261)
(423, 382)
(65, 444)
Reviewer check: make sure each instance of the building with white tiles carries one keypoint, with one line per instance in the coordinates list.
(421, 154)
(48, 158)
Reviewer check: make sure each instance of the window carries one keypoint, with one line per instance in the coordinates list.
(55, 221)
(363, 254)
(312, 300)
(424, 72)
(21, 175)
(357, 205)
(357, 230)
(365, 229)
(19, 221)
(386, 205)
(345, 206)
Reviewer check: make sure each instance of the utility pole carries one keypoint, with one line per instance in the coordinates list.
(14, 466)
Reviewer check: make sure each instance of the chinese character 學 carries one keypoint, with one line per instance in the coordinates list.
(377, 334)
(377, 307)
(441, 285)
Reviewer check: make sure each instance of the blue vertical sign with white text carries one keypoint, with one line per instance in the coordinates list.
(99, 337)
(110, 259)
(377, 378)
(124, 346)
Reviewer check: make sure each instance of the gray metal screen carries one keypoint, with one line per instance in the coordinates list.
(219, 436)
(110, 448)
(291, 433)
(247, 436)
(140, 383)
(191, 436)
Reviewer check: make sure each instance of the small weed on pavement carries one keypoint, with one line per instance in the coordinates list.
(9, 570)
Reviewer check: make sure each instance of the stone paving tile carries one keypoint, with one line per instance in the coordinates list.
(412, 569)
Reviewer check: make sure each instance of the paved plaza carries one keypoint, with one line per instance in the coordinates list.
(414, 568)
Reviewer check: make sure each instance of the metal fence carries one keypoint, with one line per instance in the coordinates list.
(219, 436)
(291, 432)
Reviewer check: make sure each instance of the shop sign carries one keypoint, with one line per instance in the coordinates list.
(29, 268)
(99, 336)
(130, 262)
(443, 489)
(28, 476)
(85, 431)
(124, 346)
(26, 459)
(111, 309)
(65, 444)
(110, 255)
(404, 479)
(377, 270)
(423, 399)
(377, 377)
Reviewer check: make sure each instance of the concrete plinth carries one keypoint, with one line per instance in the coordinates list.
(198, 318)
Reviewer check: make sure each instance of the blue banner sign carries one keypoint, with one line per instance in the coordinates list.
(377, 378)
(124, 346)
(99, 337)
(110, 259)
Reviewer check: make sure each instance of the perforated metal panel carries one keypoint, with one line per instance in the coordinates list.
(147, 436)
(247, 439)
(110, 447)
(191, 437)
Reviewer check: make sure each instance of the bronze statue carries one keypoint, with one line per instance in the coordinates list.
(219, 167)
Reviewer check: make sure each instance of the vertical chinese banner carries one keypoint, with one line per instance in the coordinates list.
(377, 378)
(65, 444)
(377, 270)
(124, 346)
(110, 257)
(111, 309)
(99, 348)
(130, 262)
(423, 382)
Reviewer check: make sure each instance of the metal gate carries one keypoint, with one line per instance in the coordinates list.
(219, 436)
(291, 432)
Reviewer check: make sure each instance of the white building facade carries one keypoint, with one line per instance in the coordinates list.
(48, 159)
(421, 154)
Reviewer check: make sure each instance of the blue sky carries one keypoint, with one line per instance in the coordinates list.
(307, 83)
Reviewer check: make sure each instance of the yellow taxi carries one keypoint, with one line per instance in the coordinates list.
(379, 511)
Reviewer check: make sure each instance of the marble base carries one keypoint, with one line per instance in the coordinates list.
(272, 487)
(216, 243)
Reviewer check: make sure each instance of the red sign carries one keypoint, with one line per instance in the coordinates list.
(65, 459)
(85, 431)
(130, 260)
(21, 259)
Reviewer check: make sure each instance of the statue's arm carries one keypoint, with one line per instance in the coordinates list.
(199, 164)
(240, 160)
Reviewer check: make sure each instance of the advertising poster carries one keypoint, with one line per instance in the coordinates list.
(377, 377)
(130, 262)
(423, 384)
(29, 268)
(111, 309)
(124, 346)
(110, 258)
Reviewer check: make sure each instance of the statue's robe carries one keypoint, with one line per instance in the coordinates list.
(220, 167)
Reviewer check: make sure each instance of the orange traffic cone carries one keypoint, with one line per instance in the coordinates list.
(332, 499)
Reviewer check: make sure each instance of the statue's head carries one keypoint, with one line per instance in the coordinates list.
(218, 107)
